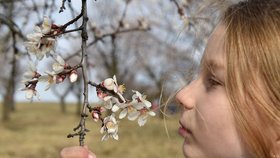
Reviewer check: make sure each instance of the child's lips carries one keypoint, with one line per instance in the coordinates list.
(183, 131)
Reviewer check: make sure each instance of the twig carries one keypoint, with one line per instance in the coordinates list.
(114, 33)
(62, 8)
(83, 62)
(180, 10)
(73, 20)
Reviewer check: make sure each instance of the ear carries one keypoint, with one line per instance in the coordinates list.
(275, 149)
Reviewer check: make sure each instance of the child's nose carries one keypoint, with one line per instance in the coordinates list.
(186, 96)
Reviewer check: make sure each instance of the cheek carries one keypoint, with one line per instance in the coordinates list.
(213, 112)
(215, 128)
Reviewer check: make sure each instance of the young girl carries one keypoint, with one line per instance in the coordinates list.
(232, 109)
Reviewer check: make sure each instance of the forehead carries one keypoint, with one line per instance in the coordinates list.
(214, 54)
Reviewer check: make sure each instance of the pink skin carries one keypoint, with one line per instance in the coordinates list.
(207, 123)
(76, 152)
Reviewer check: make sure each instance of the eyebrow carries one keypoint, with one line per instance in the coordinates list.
(211, 65)
(214, 64)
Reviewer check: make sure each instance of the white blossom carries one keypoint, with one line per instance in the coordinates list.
(110, 128)
(139, 108)
(52, 78)
(30, 93)
(131, 110)
(37, 43)
(141, 99)
(30, 73)
(46, 25)
(109, 84)
(59, 65)
(144, 117)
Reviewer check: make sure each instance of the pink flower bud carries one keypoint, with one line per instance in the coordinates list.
(58, 78)
(95, 116)
(73, 76)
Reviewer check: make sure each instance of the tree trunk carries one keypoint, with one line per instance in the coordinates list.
(9, 102)
(6, 108)
(78, 105)
(62, 104)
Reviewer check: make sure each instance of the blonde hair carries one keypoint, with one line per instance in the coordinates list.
(252, 46)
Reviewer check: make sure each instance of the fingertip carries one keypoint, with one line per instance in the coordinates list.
(91, 155)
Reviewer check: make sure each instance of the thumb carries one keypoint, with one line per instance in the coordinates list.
(90, 154)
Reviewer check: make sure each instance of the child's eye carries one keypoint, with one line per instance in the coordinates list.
(212, 82)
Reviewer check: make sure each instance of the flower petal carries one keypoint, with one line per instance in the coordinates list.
(123, 113)
(48, 86)
(147, 103)
(109, 84)
(29, 94)
(105, 137)
(108, 105)
(57, 68)
(59, 59)
(28, 75)
(37, 29)
(142, 120)
(133, 115)
(115, 136)
(44, 78)
(107, 98)
(138, 106)
(151, 113)
(115, 108)
(46, 26)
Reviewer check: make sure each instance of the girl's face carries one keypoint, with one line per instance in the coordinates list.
(207, 123)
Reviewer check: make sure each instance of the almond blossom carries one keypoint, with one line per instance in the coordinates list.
(110, 102)
(59, 65)
(30, 93)
(58, 74)
(30, 79)
(110, 128)
(52, 78)
(131, 110)
(135, 110)
(38, 43)
(30, 73)
(144, 114)
(141, 99)
(111, 84)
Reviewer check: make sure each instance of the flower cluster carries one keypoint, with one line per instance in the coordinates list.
(30, 80)
(40, 43)
(60, 71)
(138, 108)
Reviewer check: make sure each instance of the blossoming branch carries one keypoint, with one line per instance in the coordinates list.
(42, 43)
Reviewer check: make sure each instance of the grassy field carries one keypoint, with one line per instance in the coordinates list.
(39, 131)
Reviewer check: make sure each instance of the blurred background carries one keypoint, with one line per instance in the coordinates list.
(157, 53)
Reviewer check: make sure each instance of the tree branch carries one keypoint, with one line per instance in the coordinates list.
(83, 62)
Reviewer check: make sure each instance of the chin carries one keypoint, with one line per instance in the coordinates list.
(186, 149)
